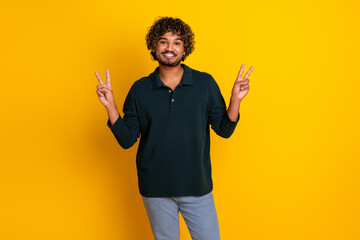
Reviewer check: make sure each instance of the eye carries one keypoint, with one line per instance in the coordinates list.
(162, 42)
(177, 43)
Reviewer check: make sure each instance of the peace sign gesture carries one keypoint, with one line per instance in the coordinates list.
(104, 91)
(241, 85)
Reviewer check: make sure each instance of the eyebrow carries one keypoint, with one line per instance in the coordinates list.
(175, 39)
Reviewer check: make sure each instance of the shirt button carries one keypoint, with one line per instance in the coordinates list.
(169, 91)
(172, 100)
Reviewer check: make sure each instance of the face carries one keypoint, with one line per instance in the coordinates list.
(169, 50)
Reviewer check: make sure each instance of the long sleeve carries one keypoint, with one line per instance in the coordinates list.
(127, 129)
(218, 117)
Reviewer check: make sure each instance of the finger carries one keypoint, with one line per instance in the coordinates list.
(104, 89)
(248, 72)
(100, 94)
(107, 76)
(100, 88)
(241, 71)
(242, 81)
(99, 78)
(244, 87)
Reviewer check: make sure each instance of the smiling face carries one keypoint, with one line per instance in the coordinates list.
(169, 50)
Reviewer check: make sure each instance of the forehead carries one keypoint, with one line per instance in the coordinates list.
(170, 36)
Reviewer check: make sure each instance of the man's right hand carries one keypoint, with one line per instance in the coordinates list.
(104, 92)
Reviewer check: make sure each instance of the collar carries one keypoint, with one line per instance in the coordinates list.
(185, 80)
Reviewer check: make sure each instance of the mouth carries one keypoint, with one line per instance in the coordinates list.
(169, 55)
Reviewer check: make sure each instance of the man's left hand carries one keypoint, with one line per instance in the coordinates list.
(241, 85)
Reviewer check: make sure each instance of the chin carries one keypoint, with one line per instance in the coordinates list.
(174, 64)
(165, 62)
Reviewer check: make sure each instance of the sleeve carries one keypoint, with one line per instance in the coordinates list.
(218, 117)
(127, 129)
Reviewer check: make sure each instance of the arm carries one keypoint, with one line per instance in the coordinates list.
(234, 109)
(126, 130)
(224, 125)
(113, 114)
(219, 117)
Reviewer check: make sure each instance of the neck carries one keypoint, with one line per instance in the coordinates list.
(167, 73)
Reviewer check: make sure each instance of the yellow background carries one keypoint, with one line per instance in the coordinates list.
(289, 171)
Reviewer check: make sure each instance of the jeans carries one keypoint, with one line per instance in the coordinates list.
(199, 214)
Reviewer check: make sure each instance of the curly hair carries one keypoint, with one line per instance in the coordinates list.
(163, 25)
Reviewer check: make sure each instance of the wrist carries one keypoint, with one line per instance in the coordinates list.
(112, 108)
(235, 100)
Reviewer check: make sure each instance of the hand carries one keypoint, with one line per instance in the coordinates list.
(241, 85)
(105, 92)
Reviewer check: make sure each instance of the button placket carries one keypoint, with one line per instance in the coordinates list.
(172, 99)
(171, 96)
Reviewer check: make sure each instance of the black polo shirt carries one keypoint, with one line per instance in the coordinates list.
(173, 157)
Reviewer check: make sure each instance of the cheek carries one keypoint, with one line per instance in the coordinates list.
(179, 50)
(159, 49)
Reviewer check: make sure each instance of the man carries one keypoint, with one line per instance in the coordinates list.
(172, 109)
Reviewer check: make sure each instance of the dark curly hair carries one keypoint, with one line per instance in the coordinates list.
(163, 25)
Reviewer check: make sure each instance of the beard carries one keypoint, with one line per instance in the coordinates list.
(167, 62)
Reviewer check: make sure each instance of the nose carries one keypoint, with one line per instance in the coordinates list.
(169, 47)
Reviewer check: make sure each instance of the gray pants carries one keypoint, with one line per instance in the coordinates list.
(199, 214)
